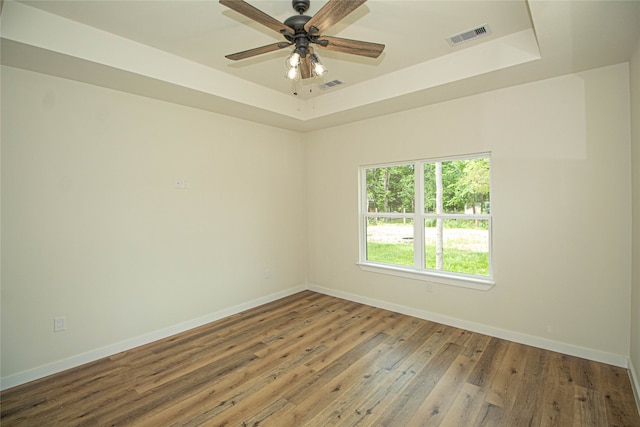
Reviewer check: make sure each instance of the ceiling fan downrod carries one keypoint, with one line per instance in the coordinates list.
(300, 6)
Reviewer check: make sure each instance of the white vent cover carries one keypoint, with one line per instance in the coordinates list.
(468, 35)
(331, 84)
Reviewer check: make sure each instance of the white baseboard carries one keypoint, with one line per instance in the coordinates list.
(80, 359)
(635, 383)
(544, 343)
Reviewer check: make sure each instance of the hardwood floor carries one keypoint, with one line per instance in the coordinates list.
(315, 360)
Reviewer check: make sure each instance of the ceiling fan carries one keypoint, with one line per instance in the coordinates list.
(302, 31)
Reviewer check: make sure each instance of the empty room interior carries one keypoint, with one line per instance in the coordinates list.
(320, 213)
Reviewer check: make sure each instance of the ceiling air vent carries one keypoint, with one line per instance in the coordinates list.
(469, 35)
(331, 84)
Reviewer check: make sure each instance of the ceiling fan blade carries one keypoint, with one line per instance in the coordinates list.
(257, 51)
(305, 67)
(354, 47)
(332, 12)
(257, 15)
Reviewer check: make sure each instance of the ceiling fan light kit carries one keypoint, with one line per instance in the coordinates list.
(301, 31)
(317, 67)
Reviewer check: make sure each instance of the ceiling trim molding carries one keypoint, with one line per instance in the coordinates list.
(34, 27)
(565, 37)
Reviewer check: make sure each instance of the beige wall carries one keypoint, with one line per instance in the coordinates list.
(561, 205)
(635, 141)
(92, 228)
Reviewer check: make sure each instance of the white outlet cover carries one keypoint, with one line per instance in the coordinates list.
(59, 324)
(180, 183)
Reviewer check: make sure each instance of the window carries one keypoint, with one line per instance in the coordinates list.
(428, 218)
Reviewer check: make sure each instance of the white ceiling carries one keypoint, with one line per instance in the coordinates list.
(174, 50)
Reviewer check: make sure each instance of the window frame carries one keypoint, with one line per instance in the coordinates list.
(419, 271)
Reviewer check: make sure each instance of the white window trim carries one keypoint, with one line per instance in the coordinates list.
(418, 217)
(445, 278)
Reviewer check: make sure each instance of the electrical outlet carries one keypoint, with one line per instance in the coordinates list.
(429, 287)
(59, 324)
(180, 183)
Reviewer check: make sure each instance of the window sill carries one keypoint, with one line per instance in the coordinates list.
(430, 276)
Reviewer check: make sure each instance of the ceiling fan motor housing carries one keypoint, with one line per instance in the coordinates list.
(300, 37)
(297, 22)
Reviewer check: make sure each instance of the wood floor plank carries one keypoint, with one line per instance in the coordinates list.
(346, 337)
(330, 371)
(138, 405)
(436, 405)
(490, 362)
(560, 369)
(401, 349)
(262, 418)
(507, 382)
(529, 402)
(466, 407)
(589, 408)
(346, 409)
(616, 389)
(317, 361)
(538, 366)
(256, 396)
(557, 407)
(263, 380)
(490, 416)
(406, 404)
(319, 406)
(395, 372)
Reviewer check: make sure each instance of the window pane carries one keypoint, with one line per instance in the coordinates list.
(464, 187)
(390, 240)
(464, 245)
(391, 189)
(430, 188)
